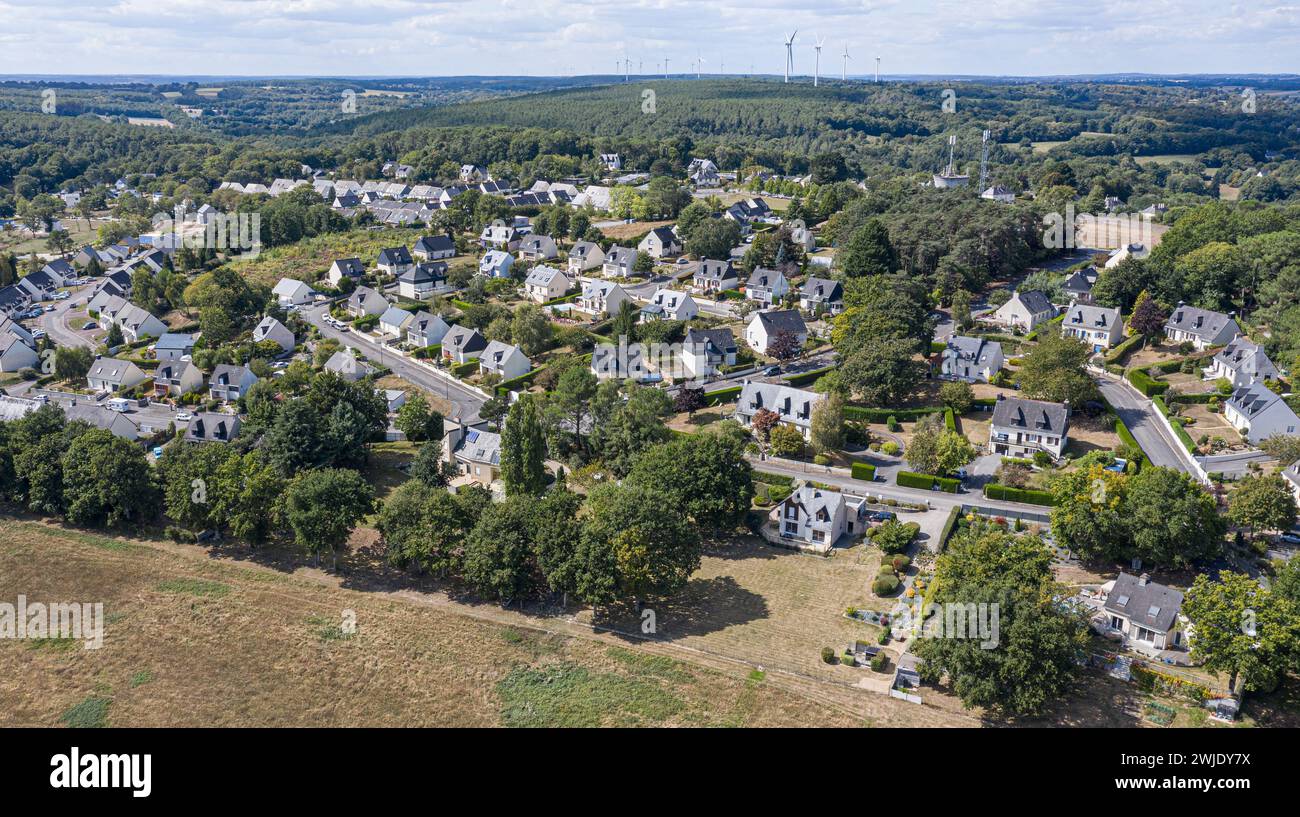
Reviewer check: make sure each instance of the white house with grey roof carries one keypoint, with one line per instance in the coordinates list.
(1200, 327)
(462, 344)
(1024, 311)
(394, 321)
(1144, 613)
(505, 360)
(345, 268)
(1096, 326)
(661, 242)
(272, 330)
(1258, 413)
(394, 260)
(666, 304)
(1241, 363)
(601, 298)
(764, 327)
(346, 365)
(537, 247)
(366, 301)
(619, 262)
(821, 293)
(292, 292)
(422, 280)
(496, 264)
(584, 256)
(476, 451)
(109, 374)
(705, 351)
(793, 406)
(818, 518)
(212, 427)
(545, 284)
(16, 353)
(173, 378)
(712, 276)
(229, 382)
(434, 248)
(766, 286)
(1021, 427)
(971, 359)
(426, 329)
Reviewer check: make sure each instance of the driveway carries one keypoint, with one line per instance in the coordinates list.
(1139, 414)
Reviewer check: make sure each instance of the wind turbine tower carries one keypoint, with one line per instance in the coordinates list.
(877, 69)
(817, 64)
(789, 55)
(844, 72)
(665, 68)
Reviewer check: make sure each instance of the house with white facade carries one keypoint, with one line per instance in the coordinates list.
(971, 359)
(1258, 413)
(292, 292)
(584, 256)
(1024, 311)
(434, 248)
(16, 354)
(1022, 427)
(1200, 327)
(496, 264)
(422, 280)
(1096, 326)
(712, 276)
(173, 378)
(545, 284)
(348, 366)
(661, 242)
(763, 327)
(537, 247)
(426, 329)
(620, 262)
(819, 518)
(821, 294)
(793, 406)
(229, 382)
(1241, 363)
(345, 268)
(766, 286)
(666, 304)
(462, 344)
(111, 375)
(366, 301)
(601, 298)
(503, 359)
(394, 321)
(1144, 613)
(706, 351)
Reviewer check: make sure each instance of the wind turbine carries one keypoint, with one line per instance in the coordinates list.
(627, 67)
(877, 69)
(817, 65)
(789, 55)
(844, 73)
(665, 68)
(698, 60)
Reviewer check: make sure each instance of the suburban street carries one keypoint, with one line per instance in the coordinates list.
(1139, 414)
(56, 326)
(442, 384)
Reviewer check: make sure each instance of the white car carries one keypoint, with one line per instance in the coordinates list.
(184, 416)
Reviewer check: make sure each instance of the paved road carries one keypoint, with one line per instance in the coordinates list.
(1139, 414)
(56, 326)
(467, 402)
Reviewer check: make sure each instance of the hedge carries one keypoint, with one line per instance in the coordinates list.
(1120, 351)
(773, 479)
(995, 490)
(863, 470)
(949, 524)
(1145, 384)
(464, 369)
(882, 415)
(717, 398)
(1034, 334)
(808, 377)
(949, 419)
(1128, 439)
(504, 388)
(911, 479)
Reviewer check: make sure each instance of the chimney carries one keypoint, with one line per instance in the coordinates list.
(1143, 580)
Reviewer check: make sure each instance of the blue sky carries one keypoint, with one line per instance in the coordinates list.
(550, 37)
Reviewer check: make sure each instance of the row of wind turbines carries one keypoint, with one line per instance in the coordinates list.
(626, 62)
(817, 64)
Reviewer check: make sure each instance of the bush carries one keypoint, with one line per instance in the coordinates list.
(1042, 459)
(863, 470)
(828, 655)
(893, 425)
(889, 447)
(821, 459)
(1144, 383)
(900, 563)
(894, 536)
(847, 660)
(1027, 495)
(909, 479)
(879, 661)
(885, 586)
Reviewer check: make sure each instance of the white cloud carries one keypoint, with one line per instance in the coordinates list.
(442, 37)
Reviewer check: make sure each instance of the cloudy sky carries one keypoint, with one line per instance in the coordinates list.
(560, 37)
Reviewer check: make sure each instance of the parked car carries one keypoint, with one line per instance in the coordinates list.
(1290, 538)
(90, 325)
(772, 370)
(881, 516)
(184, 416)
(50, 308)
(157, 452)
(38, 333)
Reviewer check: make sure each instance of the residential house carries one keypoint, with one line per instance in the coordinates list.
(793, 406)
(971, 359)
(537, 248)
(666, 304)
(422, 280)
(229, 383)
(478, 452)
(394, 260)
(620, 262)
(1241, 363)
(1292, 476)
(347, 366)
(461, 344)
(500, 236)
(1145, 613)
(291, 292)
(504, 360)
(584, 256)
(16, 354)
(1200, 327)
(706, 351)
(345, 268)
(703, 173)
(1022, 427)
(434, 248)
(1078, 286)
(714, 276)
(767, 286)
(110, 375)
(173, 378)
(1096, 326)
(821, 295)
(496, 264)
(622, 362)
(174, 346)
(212, 427)
(601, 298)
(747, 212)
(272, 330)
(1258, 413)
(1126, 252)
(545, 284)
(137, 324)
(611, 161)
(661, 242)
(366, 301)
(473, 174)
(765, 326)
(426, 329)
(1000, 194)
(819, 517)
(1024, 311)
(394, 321)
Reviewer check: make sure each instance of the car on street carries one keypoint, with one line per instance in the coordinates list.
(772, 370)
(184, 416)
(1290, 538)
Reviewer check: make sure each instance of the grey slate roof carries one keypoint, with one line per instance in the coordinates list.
(1202, 323)
(1031, 415)
(1151, 605)
(783, 320)
(1035, 301)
